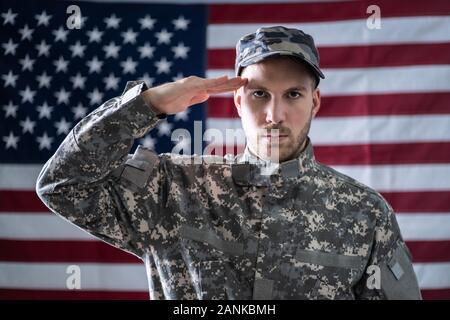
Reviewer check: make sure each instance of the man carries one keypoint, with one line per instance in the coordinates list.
(271, 224)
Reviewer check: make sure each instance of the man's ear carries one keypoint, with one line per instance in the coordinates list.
(237, 100)
(316, 101)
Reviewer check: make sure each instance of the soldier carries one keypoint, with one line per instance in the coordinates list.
(272, 224)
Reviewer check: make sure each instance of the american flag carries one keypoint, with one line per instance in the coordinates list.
(384, 120)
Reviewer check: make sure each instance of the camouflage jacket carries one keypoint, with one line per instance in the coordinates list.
(223, 230)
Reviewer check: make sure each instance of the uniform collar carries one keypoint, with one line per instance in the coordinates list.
(248, 169)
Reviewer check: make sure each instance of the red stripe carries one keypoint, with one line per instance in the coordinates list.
(14, 294)
(317, 12)
(429, 251)
(360, 105)
(63, 251)
(20, 201)
(420, 201)
(362, 56)
(436, 294)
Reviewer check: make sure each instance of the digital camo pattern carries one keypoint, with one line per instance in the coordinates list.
(276, 40)
(223, 230)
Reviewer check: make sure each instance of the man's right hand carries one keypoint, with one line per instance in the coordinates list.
(174, 97)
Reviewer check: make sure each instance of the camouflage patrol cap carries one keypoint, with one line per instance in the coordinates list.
(276, 41)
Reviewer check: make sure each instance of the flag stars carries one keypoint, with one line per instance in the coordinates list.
(62, 126)
(60, 34)
(164, 128)
(11, 141)
(44, 110)
(180, 51)
(27, 95)
(95, 35)
(43, 48)
(62, 96)
(43, 18)
(112, 22)
(26, 33)
(129, 66)
(10, 47)
(45, 142)
(148, 142)
(181, 23)
(78, 81)
(147, 79)
(179, 76)
(183, 115)
(9, 17)
(129, 36)
(10, 79)
(27, 63)
(44, 80)
(163, 66)
(163, 36)
(146, 50)
(111, 50)
(10, 110)
(77, 50)
(61, 64)
(95, 96)
(79, 111)
(147, 22)
(27, 125)
(94, 65)
(112, 82)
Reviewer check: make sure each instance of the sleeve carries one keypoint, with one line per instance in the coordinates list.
(389, 273)
(92, 182)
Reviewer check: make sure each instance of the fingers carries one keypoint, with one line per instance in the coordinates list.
(226, 85)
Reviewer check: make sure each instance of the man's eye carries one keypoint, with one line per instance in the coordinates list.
(259, 94)
(294, 94)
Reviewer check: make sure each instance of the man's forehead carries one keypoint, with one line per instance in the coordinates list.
(254, 83)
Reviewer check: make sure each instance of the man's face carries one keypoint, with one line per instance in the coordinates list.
(279, 95)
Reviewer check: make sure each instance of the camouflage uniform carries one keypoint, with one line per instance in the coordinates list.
(218, 228)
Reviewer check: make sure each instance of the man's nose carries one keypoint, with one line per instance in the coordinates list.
(275, 111)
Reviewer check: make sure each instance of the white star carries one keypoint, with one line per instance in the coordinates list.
(11, 140)
(164, 128)
(148, 142)
(44, 141)
(10, 79)
(111, 81)
(163, 66)
(147, 79)
(44, 80)
(179, 76)
(62, 126)
(77, 49)
(181, 23)
(129, 36)
(95, 35)
(95, 96)
(27, 63)
(112, 22)
(183, 115)
(27, 125)
(79, 111)
(60, 34)
(163, 36)
(9, 17)
(10, 110)
(61, 64)
(10, 47)
(112, 50)
(180, 50)
(129, 66)
(27, 95)
(44, 110)
(78, 81)
(63, 96)
(94, 65)
(43, 48)
(146, 50)
(147, 22)
(43, 18)
(26, 33)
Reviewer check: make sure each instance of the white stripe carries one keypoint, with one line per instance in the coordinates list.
(362, 130)
(424, 226)
(375, 80)
(19, 177)
(20, 226)
(433, 275)
(42, 226)
(132, 277)
(108, 276)
(397, 30)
